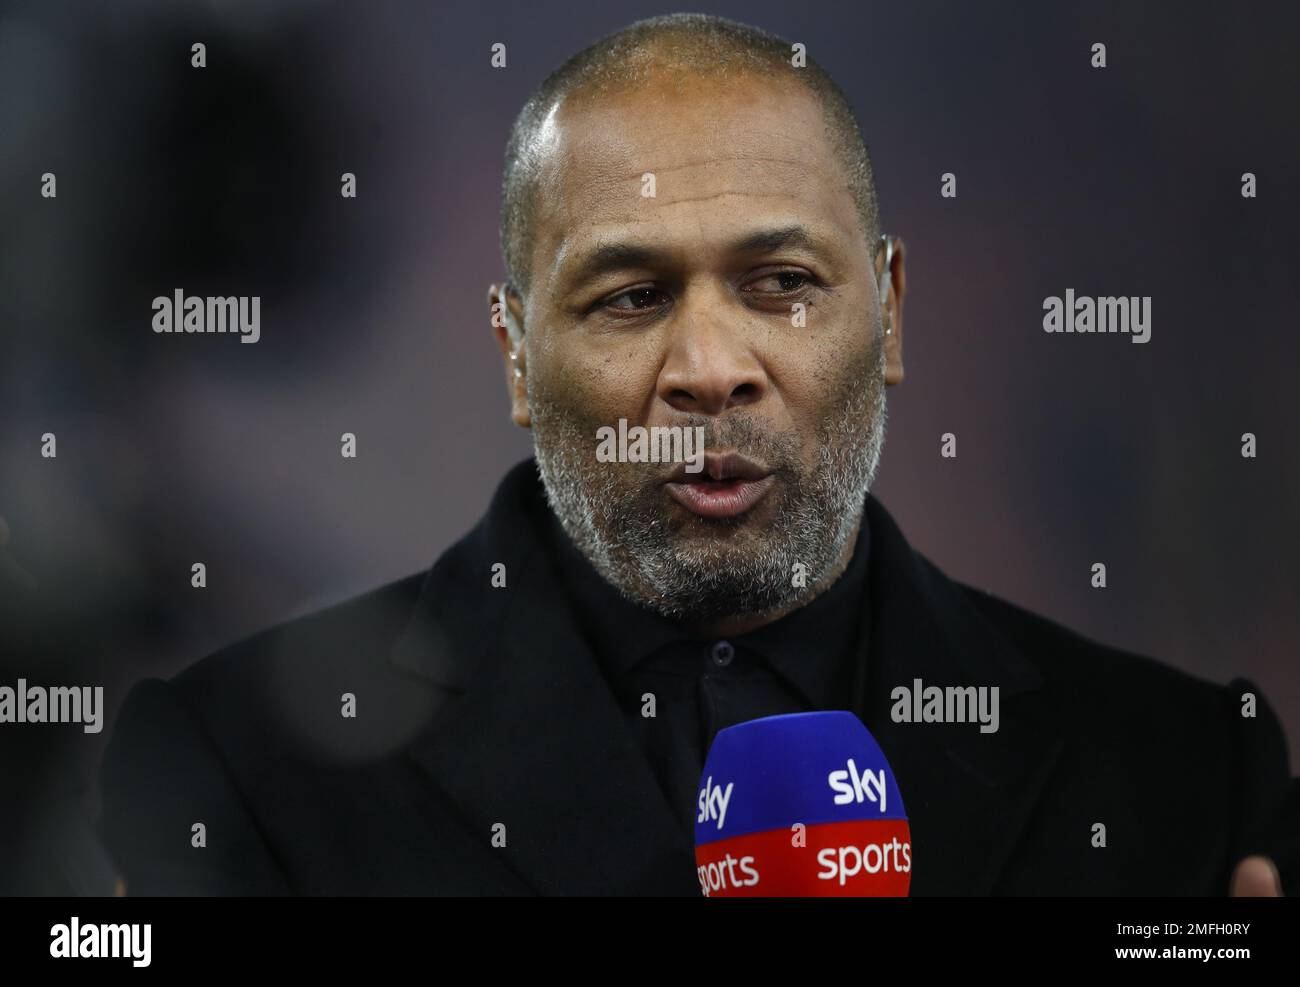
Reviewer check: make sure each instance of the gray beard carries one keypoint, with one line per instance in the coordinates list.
(730, 571)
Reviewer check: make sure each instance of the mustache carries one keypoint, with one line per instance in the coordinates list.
(744, 439)
(746, 435)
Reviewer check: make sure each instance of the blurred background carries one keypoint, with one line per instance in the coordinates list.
(225, 181)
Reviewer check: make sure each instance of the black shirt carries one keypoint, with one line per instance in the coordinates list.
(810, 659)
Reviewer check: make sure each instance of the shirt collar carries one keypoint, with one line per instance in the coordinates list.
(813, 647)
(808, 647)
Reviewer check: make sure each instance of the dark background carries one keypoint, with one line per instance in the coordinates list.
(225, 180)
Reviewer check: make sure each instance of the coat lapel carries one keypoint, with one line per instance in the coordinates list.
(536, 741)
(968, 794)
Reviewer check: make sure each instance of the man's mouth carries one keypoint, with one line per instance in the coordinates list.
(729, 485)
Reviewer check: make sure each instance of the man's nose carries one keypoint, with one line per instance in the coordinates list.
(710, 365)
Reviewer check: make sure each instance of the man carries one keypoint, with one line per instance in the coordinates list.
(691, 231)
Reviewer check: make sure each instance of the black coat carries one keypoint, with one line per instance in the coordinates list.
(477, 706)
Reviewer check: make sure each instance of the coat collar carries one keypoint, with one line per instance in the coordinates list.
(532, 737)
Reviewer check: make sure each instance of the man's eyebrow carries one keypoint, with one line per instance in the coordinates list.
(767, 241)
(615, 256)
(607, 257)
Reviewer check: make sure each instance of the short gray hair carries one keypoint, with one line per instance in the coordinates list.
(701, 43)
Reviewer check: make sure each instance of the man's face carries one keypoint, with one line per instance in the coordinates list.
(680, 308)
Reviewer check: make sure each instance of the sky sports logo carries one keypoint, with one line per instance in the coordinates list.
(846, 853)
(801, 805)
(840, 863)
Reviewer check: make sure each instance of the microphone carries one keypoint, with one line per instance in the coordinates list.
(800, 805)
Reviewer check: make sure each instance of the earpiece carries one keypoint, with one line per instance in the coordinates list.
(887, 244)
(512, 329)
(512, 326)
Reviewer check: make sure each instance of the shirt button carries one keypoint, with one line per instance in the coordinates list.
(722, 653)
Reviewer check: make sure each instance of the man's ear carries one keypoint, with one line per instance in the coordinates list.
(892, 306)
(507, 315)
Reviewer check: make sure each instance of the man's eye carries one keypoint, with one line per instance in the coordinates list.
(636, 300)
(779, 283)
